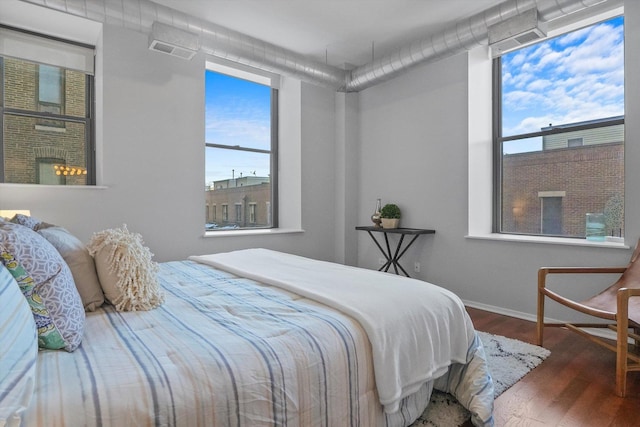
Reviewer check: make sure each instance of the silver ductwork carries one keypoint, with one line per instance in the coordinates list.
(214, 40)
(231, 45)
(466, 35)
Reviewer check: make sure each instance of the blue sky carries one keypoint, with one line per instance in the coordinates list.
(237, 112)
(575, 77)
(571, 78)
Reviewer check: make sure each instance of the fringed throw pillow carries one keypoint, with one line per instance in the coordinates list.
(126, 271)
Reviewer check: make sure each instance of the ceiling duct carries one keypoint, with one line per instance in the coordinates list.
(173, 41)
(231, 45)
(515, 32)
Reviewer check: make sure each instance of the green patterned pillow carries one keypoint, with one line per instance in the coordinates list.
(48, 335)
(52, 281)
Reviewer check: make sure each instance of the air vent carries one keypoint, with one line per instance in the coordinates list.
(173, 41)
(516, 32)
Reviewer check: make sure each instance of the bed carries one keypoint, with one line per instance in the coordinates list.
(224, 349)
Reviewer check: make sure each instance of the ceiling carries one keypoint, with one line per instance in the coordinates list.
(342, 33)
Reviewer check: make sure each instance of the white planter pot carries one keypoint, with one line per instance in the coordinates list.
(390, 222)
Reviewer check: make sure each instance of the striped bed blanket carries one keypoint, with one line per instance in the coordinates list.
(221, 351)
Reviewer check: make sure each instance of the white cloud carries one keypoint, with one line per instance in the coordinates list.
(573, 78)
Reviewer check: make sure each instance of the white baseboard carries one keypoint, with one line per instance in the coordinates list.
(501, 310)
(600, 332)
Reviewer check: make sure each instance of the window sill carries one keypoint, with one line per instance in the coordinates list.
(257, 232)
(48, 186)
(547, 240)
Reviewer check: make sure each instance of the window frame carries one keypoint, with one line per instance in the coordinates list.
(499, 140)
(88, 121)
(270, 81)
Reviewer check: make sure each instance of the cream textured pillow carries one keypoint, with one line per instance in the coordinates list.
(127, 274)
(80, 262)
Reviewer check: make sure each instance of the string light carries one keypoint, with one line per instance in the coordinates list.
(65, 170)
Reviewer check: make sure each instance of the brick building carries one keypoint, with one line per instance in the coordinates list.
(33, 146)
(242, 202)
(549, 192)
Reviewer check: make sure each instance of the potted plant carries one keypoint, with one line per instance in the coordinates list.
(390, 216)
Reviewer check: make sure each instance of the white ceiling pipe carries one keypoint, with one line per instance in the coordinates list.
(215, 40)
(464, 36)
(228, 44)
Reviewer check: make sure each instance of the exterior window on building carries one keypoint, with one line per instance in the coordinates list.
(574, 142)
(559, 123)
(50, 93)
(46, 172)
(46, 101)
(225, 213)
(551, 223)
(252, 213)
(241, 145)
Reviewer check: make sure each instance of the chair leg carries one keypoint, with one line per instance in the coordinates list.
(621, 362)
(540, 316)
(622, 346)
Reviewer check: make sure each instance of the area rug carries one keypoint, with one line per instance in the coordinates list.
(509, 360)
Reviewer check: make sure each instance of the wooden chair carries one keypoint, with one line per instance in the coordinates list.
(619, 304)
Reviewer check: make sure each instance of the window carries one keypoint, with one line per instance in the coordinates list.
(46, 98)
(241, 146)
(551, 216)
(559, 133)
(46, 172)
(574, 142)
(252, 213)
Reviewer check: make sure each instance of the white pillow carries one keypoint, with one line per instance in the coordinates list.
(18, 351)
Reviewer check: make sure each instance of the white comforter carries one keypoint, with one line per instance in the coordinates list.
(417, 330)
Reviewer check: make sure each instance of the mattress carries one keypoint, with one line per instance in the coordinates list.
(221, 351)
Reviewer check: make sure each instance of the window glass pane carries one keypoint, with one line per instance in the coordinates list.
(572, 78)
(27, 143)
(238, 153)
(235, 184)
(45, 124)
(28, 85)
(569, 93)
(238, 112)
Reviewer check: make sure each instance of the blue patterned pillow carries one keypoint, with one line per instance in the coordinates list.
(52, 281)
(18, 351)
(26, 220)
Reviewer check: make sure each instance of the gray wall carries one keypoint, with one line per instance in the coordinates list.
(414, 137)
(151, 159)
(404, 141)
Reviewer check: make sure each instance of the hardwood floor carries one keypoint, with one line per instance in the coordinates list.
(574, 386)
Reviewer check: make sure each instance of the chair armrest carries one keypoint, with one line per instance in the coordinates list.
(544, 271)
(582, 270)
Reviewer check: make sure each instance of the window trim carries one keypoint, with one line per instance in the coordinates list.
(88, 120)
(271, 81)
(498, 140)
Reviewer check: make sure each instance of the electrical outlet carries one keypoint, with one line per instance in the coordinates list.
(416, 267)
